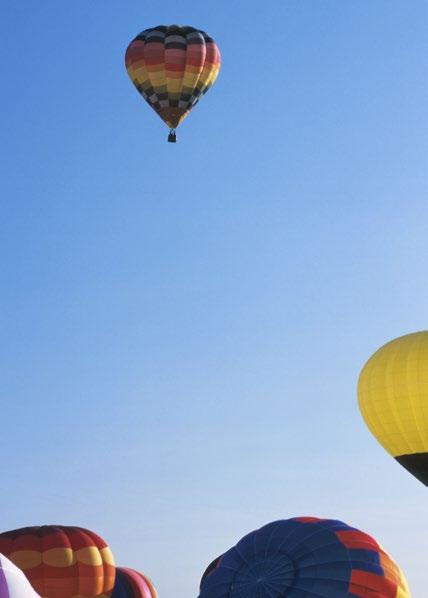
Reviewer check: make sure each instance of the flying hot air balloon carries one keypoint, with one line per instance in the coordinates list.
(393, 399)
(13, 583)
(132, 584)
(61, 561)
(172, 67)
(305, 556)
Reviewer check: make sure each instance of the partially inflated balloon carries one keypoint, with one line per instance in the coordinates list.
(13, 583)
(132, 584)
(393, 398)
(172, 67)
(302, 557)
(61, 561)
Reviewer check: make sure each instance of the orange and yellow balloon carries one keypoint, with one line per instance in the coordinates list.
(393, 398)
(61, 561)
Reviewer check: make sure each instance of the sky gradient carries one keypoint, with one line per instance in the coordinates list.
(183, 325)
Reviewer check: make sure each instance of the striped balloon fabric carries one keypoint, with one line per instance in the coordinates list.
(61, 561)
(172, 67)
(132, 584)
(304, 557)
(13, 583)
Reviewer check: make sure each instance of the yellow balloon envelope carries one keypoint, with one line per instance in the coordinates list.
(393, 398)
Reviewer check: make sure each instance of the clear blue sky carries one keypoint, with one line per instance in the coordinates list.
(183, 325)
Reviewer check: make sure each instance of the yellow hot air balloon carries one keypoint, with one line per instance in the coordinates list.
(393, 398)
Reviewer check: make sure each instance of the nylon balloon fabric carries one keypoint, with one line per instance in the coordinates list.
(132, 584)
(61, 561)
(13, 583)
(172, 67)
(303, 557)
(209, 569)
(393, 399)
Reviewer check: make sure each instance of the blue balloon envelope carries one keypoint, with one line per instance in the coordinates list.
(304, 557)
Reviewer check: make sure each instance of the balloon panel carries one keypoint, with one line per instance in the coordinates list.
(210, 569)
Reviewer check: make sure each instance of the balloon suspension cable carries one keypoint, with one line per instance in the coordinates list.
(172, 137)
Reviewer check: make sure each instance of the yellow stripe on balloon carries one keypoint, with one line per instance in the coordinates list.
(59, 557)
(90, 555)
(107, 556)
(26, 559)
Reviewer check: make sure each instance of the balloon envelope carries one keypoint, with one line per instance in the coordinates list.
(13, 583)
(132, 584)
(172, 67)
(61, 561)
(304, 557)
(210, 569)
(393, 399)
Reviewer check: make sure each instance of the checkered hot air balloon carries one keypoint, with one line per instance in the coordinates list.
(172, 67)
(61, 561)
(132, 584)
(13, 583)
(302, 557)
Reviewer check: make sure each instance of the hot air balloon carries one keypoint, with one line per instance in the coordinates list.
(172, 67)
(61, 561)
(132, 584)
(13, 583)
(393, 399)
(305, 556)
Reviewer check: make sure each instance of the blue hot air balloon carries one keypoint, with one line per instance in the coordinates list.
(302, 557)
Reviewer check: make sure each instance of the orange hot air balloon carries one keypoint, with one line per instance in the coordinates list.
(61, 561)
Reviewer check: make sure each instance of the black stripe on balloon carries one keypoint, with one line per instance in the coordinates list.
(417, 464)
(153, 38)
(208, 39)
(161, 28)
(175, 45)
(186, 30)
(195, 40)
